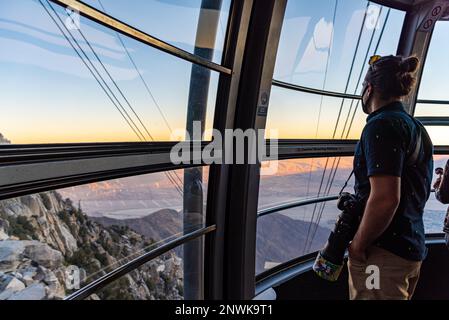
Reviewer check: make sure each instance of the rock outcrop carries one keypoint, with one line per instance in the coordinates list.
(43, 237)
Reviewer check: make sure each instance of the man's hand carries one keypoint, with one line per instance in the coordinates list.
(357, 253)
(437, 183)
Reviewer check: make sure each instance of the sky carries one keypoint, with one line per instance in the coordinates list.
(49, 96)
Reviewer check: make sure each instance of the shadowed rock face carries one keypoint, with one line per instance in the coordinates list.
(42, 235)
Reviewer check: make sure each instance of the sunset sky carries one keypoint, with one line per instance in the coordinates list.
(48, 94)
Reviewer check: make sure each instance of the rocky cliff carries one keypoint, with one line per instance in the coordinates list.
(43, 235)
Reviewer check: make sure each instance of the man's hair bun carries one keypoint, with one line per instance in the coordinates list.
(409, 64)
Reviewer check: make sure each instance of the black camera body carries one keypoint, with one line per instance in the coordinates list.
(330, 259)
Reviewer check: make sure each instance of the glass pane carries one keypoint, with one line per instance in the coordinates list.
(298, 179)
(299, 115)
(435, 211)
(439, 135)
(159, 279)
(173, 21)
(434, 79)
(425, 109)
(293, 233)
(49, 240)
(49, 95)
(319, 42)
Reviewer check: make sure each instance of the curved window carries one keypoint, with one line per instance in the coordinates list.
(291, 233)
(91, 85)
(296, 114)
(434, 79)
(91, 230)
(288, 234)
(173, 21)
(319, 46)
(435, 211)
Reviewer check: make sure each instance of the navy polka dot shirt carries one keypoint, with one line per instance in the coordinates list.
(387, 142)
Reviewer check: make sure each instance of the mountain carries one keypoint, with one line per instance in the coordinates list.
(42, 237)
(275, 234)
(280, 239)
(156, 226)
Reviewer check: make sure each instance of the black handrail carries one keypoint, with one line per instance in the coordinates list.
(295, 87)
(110, 22)
(297, 203)
(294, 204)
(101, 282)
(291, 86)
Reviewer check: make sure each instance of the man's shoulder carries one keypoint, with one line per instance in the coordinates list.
(395, 122)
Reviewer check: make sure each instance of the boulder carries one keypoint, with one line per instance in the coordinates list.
(11, 254)
(34, 292)
(43, 254)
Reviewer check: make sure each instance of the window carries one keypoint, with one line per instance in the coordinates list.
(319, 41)
(175, 22)
(433, 83)
(434, 79)
(319, 49)
(296, 114)
(439, 135)
(94, 228)
(124, 95)
(158, 279)
(291, 233)
(435, 211)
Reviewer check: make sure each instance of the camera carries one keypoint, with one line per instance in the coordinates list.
(330, 259)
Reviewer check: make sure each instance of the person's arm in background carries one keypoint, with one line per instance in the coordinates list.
(441, 186)
(385, 153)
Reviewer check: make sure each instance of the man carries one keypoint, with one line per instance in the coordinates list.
(393, 171)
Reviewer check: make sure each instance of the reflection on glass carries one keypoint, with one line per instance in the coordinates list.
(53, 243)
(299, 115)
(105, 88)
(173, 21)
(319, 42)
(434, 79)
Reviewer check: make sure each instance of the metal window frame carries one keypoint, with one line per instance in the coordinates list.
(112, 23)
(243, 180)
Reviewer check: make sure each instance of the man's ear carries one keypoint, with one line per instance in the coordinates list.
(369, 89)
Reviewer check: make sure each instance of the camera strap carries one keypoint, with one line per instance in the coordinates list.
(346, 183)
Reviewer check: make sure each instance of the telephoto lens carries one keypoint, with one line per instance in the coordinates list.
(330, 259)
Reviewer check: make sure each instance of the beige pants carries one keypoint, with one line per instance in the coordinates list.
(396, 277)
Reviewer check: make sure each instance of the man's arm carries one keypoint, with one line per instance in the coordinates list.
(380, 208)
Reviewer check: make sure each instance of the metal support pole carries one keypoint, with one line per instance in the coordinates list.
(193, 178)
